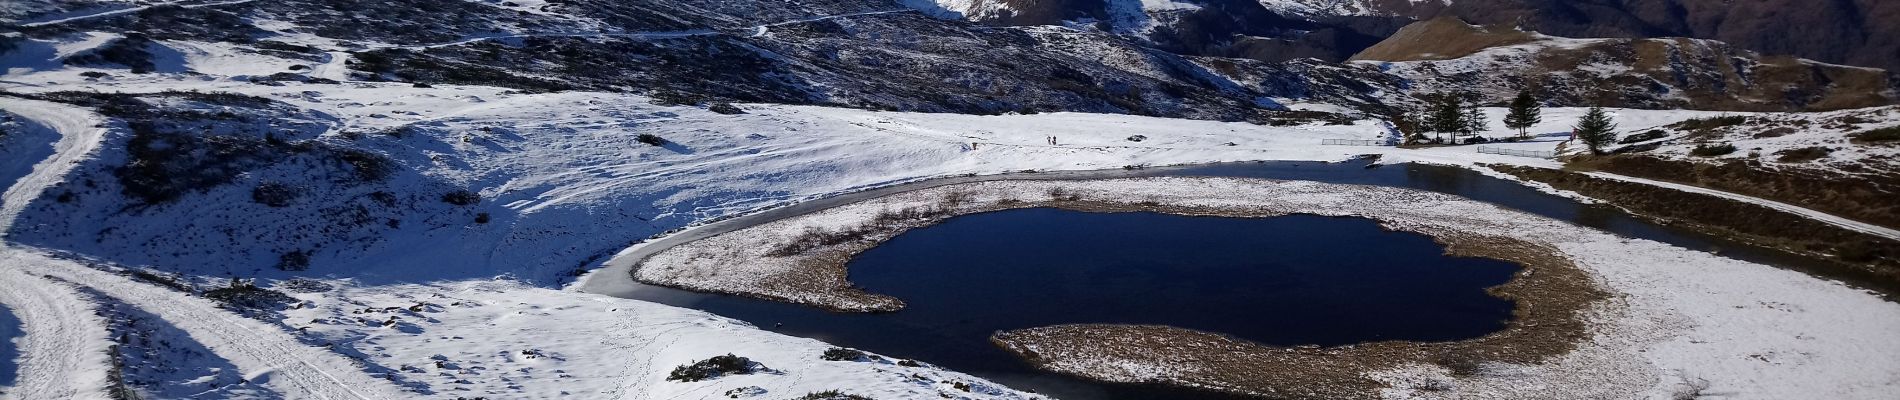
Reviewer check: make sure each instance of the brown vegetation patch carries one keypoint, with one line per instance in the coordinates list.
(1551, 294)
(1844, 253)
(1867, 196)
(1804, 154)
(1442, 38)
(1883, 135)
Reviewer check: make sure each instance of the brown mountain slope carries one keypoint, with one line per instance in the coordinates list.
(1442, 38)
(1445, 54)
(1854, 32)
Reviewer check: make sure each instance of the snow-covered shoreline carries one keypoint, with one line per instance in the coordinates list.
(1755, 330)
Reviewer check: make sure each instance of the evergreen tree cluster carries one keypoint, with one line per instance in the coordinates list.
(1456, 114)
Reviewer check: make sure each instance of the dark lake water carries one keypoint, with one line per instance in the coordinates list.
(1286, 280)
(1293, 280)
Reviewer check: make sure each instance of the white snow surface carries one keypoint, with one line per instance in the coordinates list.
(62, 349)
(1329, 8)
(1764, 135)
(78, 133)
(567, 182)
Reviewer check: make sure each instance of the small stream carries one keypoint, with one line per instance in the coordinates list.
(1286, 281)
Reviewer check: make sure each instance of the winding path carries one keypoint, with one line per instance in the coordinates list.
(80, 131)
(63, 349)
(1849, 224)
(256, 348)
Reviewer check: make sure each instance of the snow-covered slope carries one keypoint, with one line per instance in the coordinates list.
(280, 169)
(1347, 8)
(547, 184)
(420, 233)
(62, 346)
(1831, 140)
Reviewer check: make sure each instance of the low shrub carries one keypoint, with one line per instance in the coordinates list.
(1137, 138)
(842, 354)
(1711, 123)
(1776, 132)
(1704, 150)
(244, 296)
(297, 260)
(1649, 135)
(713, 368)
(301, 285)
(156, 279)
(725, 108)
(461, 197)
(1460, 364)
(274, 194)
(1637, 148)
(1887, 134)
(368, 167)
(831, 395)
(673, 98)
(1803, 154)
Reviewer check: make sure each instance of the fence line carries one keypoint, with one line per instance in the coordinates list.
(1519, 153)
(1352, 142)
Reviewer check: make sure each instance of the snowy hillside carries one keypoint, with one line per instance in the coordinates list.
(1849, 141)
(345, 199)
(1341, 8)
(350, 196)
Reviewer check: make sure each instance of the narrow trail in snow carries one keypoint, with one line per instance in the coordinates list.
(63, 349)
(258, 349)
(334, 67)
(1843, 222)
(79, 134)
(58, 358)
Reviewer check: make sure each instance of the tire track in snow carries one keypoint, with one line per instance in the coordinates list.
(256, 348)
(63, 352)
(79, 135)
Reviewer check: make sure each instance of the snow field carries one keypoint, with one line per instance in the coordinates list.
(568, 183)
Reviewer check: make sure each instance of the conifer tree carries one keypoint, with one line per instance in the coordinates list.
(1444, 115)
(1595, 130)
(1525, 112)
(1474, 119)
